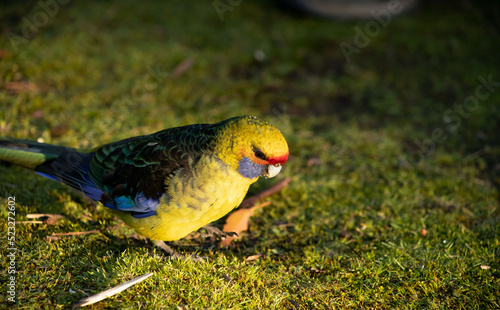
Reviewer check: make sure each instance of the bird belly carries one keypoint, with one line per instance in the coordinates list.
(194, 199)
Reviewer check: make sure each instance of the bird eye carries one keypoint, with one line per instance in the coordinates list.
(259, 154)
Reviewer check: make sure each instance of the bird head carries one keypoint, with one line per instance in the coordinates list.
(251, 146)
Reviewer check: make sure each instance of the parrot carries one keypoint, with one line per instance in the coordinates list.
(167, 184)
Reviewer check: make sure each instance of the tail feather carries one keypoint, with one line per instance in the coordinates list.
(25, 153)
(58, 163)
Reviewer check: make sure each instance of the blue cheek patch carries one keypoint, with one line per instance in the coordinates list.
(249, 169)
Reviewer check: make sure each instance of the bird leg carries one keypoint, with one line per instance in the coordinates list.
(217, 233)
(173, 254)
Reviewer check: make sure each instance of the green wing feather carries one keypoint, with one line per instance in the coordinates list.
(142, 164)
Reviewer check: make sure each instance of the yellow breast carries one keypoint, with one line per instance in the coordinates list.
(194, 199)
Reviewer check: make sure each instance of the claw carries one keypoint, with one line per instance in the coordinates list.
(217, 233)
(173, 254)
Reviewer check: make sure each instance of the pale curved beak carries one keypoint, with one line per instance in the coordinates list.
(273, 170)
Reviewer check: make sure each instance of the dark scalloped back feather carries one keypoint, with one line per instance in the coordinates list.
(142, 164)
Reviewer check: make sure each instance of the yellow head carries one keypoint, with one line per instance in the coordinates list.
(251, 146)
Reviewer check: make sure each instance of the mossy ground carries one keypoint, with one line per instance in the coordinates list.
(394, 198)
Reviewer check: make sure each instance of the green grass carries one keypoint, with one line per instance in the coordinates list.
(370, 220)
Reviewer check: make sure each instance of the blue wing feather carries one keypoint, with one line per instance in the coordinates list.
(140, 207)
(76, 176)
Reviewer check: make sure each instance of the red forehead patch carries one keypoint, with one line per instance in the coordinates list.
(278, 160)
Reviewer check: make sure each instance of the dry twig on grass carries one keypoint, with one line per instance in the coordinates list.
(276, 188)
(76, 233)
(49, 219)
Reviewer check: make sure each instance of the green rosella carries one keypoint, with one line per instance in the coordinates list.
(166, 184)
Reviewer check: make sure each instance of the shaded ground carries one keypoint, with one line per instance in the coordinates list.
(395, 173)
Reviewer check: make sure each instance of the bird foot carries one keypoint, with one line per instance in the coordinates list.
(173, 254)
(218, 234)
